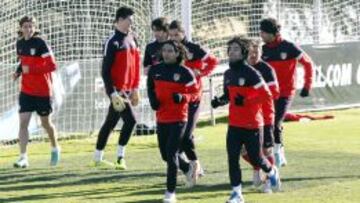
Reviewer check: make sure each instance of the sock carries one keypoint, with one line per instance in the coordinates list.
(169, 194)
(23, 156)
(121, 151)
(237, 189)
(55, 149)
(98, 155)
(277, 148)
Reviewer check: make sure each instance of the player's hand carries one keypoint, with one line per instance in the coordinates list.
(135, 98)
(155, 105)
(304, 92)
(215, 102)
(25, 69)
(178, 98)
(15, 76)
(239, 100)
(118, 102)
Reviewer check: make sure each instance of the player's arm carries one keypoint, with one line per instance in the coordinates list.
(272, 83)
(210, 62)
(223, 99)
(147, 60)
(307, 64)
(189, 90)
(154, 102)
(108, 59)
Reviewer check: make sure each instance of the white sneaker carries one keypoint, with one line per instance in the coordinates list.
(257, 181)
(190, 180)
(275, 180)
(169, 197)
(235, 198)
(267, 187)
(282, 157)
(21, 163)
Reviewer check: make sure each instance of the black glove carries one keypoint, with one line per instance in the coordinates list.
(177, 98)
(155, 105)
(304, 92)
(239, 100)
(215, 102)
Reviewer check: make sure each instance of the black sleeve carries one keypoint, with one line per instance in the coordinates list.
(197, 51)
(225, 96)
(154, 103)
(18, 69)
(295, 50)
(147, 57)
(43, 47)
(269, 74)
(109, 54)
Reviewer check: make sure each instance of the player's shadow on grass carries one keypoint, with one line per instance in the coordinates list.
(84, 180)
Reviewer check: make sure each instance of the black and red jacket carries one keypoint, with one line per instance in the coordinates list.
(243, 80)
(36, 54)
(163, 81)
(200, 60)
(152, 53)
(121, 63)
(270, 79)
(283, 56)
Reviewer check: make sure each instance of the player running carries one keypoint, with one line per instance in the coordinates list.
(121, 76)
(170, 88)
(36, 66)
(254, 59)
(246, 91)
(202, 63)
(283, 57)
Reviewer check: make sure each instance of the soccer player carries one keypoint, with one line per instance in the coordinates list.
(246, 91)
(283, 56)
(254, 59)
(170, 87)
(160, 28)
(36, 65)
(121, 76)
(202, 63)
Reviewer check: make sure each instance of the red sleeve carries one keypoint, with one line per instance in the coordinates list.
(46, 65)
(190, 87)
(308, 67)
(274, 89)
(137, 71)
(210, 62)
(261, 94)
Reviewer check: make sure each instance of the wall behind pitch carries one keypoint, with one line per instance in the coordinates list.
(336, 77)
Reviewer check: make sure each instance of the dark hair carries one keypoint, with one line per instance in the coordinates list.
(123, 12)
(242, 42)
(270, 25)
(27, 19)
(176, 24)
(161, 23)
(178, 47)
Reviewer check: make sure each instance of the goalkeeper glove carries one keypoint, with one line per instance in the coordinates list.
(117, 102)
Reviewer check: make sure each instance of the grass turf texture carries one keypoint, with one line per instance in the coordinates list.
(323, 166)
